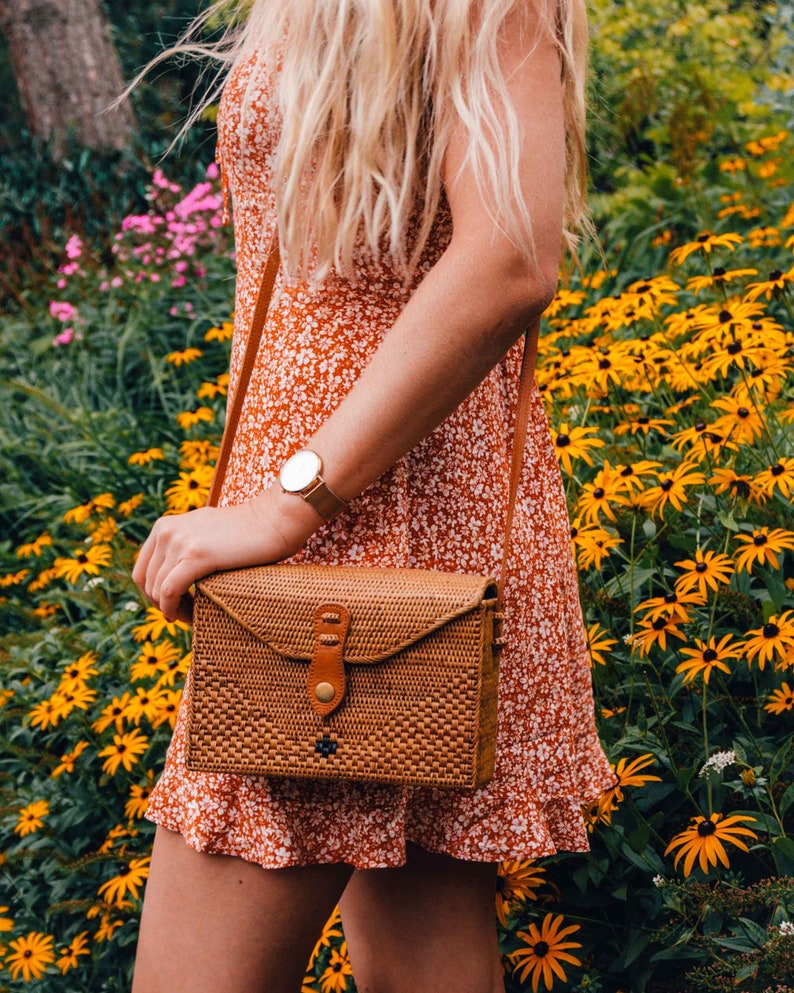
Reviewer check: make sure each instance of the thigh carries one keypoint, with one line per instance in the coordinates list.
(219, 923)
(426, 927)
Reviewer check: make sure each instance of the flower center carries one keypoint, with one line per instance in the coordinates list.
(706, 827)
(541, 948)
(665, 485)
(743, 412)
(709, 655)
(563, 440)
(719, 271)
(777, 469)
(760, 539)
(724, 316)
(598, 493)
(701, 567)
(771, 631)
(775, 274)
(734, 348)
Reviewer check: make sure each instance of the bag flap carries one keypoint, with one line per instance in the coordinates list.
(390, 608)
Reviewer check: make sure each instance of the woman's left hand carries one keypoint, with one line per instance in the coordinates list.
(181, 549)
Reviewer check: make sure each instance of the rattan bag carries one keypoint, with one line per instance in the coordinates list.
(347, 672)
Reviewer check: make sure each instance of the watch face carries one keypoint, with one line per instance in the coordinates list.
(299, 471)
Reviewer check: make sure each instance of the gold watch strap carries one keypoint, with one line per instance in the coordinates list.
(323, 500)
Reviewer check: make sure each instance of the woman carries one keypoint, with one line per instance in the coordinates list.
(423, 159)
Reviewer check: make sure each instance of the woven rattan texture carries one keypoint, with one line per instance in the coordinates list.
(424, 714)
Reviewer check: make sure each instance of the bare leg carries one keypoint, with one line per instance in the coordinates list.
(426, 927)
(219, 924)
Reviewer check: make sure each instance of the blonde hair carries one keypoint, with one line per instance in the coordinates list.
(369, 92)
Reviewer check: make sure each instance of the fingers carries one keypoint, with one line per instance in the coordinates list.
(167, 565)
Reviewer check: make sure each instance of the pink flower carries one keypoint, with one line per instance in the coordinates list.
(212, 171)
(64, 338)
(62, 310)
(178, 281)
(74, 247)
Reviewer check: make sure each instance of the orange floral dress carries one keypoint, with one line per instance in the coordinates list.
(441, 506)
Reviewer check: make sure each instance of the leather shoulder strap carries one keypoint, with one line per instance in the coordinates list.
(252, 347)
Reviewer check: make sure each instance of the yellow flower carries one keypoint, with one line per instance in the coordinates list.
(742, 422)
(6, 923)
(339, 970)
(515, 882)
(14, 578)
(105, 501)
(128, 881)
(762, 548)
(129, 506)
(87, 562)
(705, 242)
(655, 632)
(145, 703)
(153, 660)
(223, 333)
(779, 701)
(184, 357)
(136, 806)
(544, 951)
(31, 818)
(125, 750)
(30, 956)
(113, 835)
(156, 624)
(68, 760)
(77, 672)
(707, 657)
(46, 713)
(80, 697)
(167, 708)
(776, 637)
(672, 604)
(190, 490)
(594, 544)
(197, 452)
(774, 285)
(598, 642)
(629, 773)
(703, 840)
(144, 458)
(113, 713)
(69, 956)
(671, 488)
(706, 571)
(34, 547)
(573, 443)
(190, 418)
(597, 496)
(779, 476)
(718, 277)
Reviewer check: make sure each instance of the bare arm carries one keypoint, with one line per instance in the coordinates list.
(467, 312)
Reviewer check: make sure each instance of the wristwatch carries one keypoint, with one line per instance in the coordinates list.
(300, 475)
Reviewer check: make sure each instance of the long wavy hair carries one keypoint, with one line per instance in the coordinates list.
(369, 92)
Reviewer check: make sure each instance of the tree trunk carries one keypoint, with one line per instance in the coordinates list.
(66, 71)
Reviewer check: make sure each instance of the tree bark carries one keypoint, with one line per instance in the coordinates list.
(66, 71)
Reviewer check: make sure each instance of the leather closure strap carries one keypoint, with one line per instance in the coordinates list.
(257, 324)
(326, 681)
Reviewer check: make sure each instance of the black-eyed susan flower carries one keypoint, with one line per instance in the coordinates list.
(719, 276)
(708, 656)
(741, 422)
(762, 547)
(776, 283)
(175, 669)
(631, 476)
(216, 388)
(780, 700)
(125, 751)
(515, 883)
(154, 659)
(13, 578)
(594, 544)
(331, 933)
(337, 973)
(145, 703)
(674, 604)
(136, 806)
(76, 698)
(598, 644)
(77, 672)
(69, 957)
(601, 810)
(707, 571)
(128, 507)
(575, 443)
(107, 927)
(597, 496)
(34, 547)
(730, 481)
(629, 773)
(68, 760)
(167, 707)
(127, 882)
(765, 236)
(190, 418)
(6, 923)
(47, 713)
(704, 840)
(86, 562)
(112, 713)
(655, 632)
(117, 833)
(775, 639)
(778, 477)
(30, 956)
(543, 952)
(190, 490)
(31, 818)
(223, 333)
(157, 624)
(197, 452)
(146, 457)
(672, 488)
(184, 357)
(705, 242)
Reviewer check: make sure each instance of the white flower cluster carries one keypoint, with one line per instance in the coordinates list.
(658, 881)
(786, 927)
(718, 762)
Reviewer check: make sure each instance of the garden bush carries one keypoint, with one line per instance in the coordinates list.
(667, 379)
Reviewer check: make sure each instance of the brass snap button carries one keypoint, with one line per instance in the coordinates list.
(325, 692)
